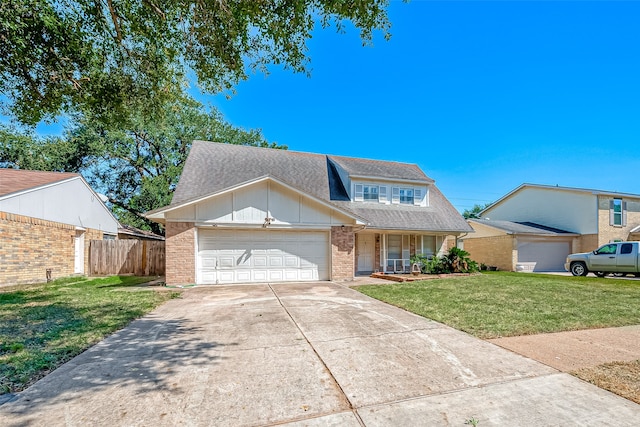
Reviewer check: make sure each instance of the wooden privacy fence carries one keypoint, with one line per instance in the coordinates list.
(138, 257)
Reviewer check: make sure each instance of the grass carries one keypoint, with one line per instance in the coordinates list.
(43, 326)
(493, 305)
(621, 378)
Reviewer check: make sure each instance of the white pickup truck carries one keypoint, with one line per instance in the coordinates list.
(619, 257)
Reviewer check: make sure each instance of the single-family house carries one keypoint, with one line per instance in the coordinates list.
(246, 214)
(46, 222)
(534, 227)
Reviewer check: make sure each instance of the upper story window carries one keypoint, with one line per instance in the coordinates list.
(406, 196)
(386, 194)
(367, 193)
(617, 212)
(370, 193)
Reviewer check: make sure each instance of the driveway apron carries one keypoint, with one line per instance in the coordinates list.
(314, 354)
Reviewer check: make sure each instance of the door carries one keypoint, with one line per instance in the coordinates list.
(240, 256)
(78, 263)
(365, 252)
(604, 258)
(626, 259)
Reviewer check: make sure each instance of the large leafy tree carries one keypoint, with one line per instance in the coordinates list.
(137, 167)
(114, 57)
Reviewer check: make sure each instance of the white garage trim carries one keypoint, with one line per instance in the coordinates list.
(255, 256)
(542, 255)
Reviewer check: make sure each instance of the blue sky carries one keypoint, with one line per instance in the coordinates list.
(483, 96)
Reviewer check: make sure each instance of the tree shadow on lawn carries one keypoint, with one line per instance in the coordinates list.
(148, 355)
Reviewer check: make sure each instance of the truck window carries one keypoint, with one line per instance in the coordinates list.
(607, 249)
(626, 248)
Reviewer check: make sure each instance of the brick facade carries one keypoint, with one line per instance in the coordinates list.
(608, 233)
(29, 246)
(180, 244)
(342, 253)
(499, 251)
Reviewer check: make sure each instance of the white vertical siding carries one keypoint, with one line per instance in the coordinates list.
(69, 202)
(254, 203)
(566, 210)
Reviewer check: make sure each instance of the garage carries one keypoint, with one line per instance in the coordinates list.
(542, 255)
(241, 256)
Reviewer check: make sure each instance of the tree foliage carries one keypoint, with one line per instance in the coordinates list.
(112, 57)
(474, 212)
(136, 167)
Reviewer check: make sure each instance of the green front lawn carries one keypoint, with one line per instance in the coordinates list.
(42, 326)
(501, 304)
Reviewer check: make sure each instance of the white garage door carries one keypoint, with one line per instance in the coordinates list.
(232, 256)
(547, 256)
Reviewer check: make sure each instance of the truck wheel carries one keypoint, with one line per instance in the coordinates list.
(600, 273)
(579, 269)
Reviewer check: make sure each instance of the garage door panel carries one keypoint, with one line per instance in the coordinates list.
(260, 261)
(290, 261)
(227, 256)
(543, 255)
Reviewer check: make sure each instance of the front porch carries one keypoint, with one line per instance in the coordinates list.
(391, 252)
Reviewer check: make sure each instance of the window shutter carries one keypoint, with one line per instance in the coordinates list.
(382, 194)
(395, 195)
(611, 219)
(417, 196)
(624, 213)
(359, 189)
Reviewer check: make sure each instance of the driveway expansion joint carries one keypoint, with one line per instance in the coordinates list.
(333, 378)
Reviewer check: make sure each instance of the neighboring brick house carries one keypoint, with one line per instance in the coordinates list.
(534, 227)
(47, 220)
(246, 214)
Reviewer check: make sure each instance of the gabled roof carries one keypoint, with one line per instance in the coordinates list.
(16, 180)
(512, 227)
(212, 168)
(558, 188)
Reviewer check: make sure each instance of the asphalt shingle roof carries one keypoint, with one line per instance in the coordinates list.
(15, 180)
(522, 227)
(214, 167)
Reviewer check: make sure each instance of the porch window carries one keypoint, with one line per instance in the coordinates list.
(397, 254)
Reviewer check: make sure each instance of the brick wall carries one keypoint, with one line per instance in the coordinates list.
(588, 242)
(608, 233)
(342, 253)
(497, 251)
(30, 246)
(180, 258)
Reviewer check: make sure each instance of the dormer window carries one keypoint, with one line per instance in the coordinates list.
(406, 196)
(367, 193)
(370, 193)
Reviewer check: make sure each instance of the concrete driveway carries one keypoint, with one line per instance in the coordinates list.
(317, 354)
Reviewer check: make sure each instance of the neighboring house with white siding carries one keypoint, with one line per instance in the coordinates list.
(534, 227)
(246, 214)
(46, 222)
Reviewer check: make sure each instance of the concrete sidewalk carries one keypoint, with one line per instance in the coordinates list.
(316, 354)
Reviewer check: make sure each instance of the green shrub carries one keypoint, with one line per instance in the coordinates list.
(454, 261)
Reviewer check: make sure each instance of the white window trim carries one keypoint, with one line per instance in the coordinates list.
(622, 213)
(417, 196)
(358, 192)
(382, 194)
(395, 195)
